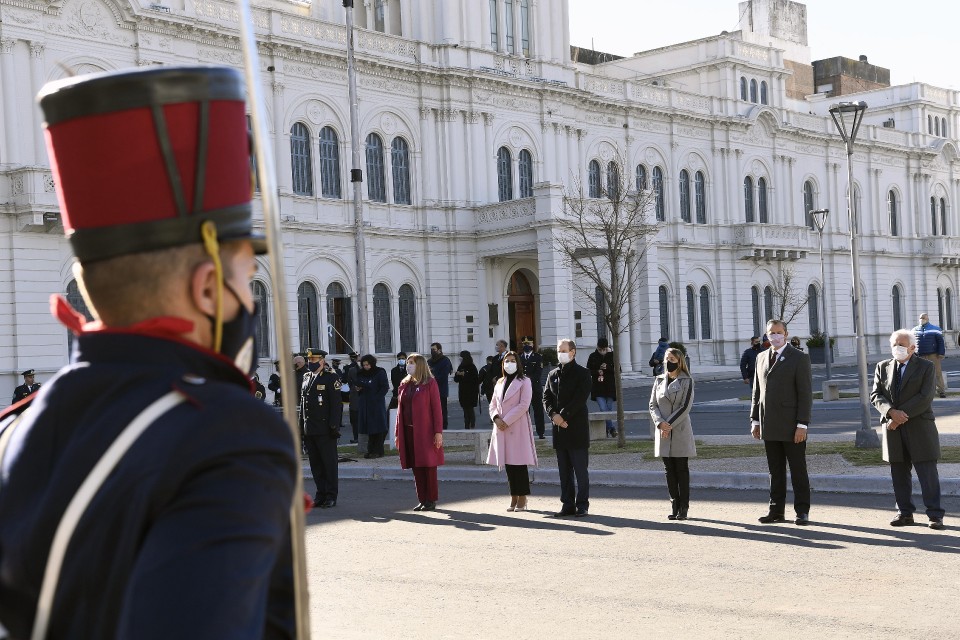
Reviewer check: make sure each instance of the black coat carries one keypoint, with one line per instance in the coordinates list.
(372, 388)
(24, 390)
(604, 384)
(321, 408)
(567, 391)
(397, 374)
(533, 368)
(469, 384)
(487, 380)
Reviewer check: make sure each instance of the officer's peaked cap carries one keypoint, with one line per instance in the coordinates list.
(28, 372)
(316, 353)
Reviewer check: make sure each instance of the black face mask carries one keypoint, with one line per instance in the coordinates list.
(673, 366)
(313, 366)
(238, 341)
(527, 348)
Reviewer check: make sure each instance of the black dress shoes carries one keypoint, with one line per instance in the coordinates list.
(902, 521)
(936, 523)
(802, 519)
(682, 514)
(429, 506)
(419, 507)
(326, 504)
(771, 518)
(580, 513)
(563, 513)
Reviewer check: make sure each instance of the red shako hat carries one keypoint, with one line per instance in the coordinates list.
(143, 158)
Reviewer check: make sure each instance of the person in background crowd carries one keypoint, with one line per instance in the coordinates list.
(350, 384)
(532, 364)
(397, 374)
(372, 388)
(500, 348)
(487, 378)
(795, 343)
(780, 415)
(656, 360)
(748, 361)
(930, 346)
(565, 401)
(320, 415)
(29, 386)
(419, 430)
(273, 384)
(903, 389)
(299, 369)
(511, 444)
(338, 370)
(601, 366)
(671, 399)
(259, 392)
(440, 369)
(468, 390)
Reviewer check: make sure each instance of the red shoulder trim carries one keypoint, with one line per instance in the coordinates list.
(18, 407)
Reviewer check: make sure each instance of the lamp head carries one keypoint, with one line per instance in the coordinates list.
(847, 117)
(820, 218)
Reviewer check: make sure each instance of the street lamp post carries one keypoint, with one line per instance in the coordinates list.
(847, 116)
(820, 220)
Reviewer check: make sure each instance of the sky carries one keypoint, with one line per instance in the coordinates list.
(916, 40)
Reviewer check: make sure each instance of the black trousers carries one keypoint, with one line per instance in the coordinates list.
(322, 451)
(518, 479)
(779, 455)
(678, 482)
(469, 417)
(375, 443)
(572, 463)
(537, 405)
(443, 410)
(354, 422)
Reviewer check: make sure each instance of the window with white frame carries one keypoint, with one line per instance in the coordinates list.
(262, 330)
(504, 174)
(809, 203)
(329, 163)
(755, 308)
(706, 332)
(613, 180)
(407, 303)
(300, 161)
(382, 324)
(691, 313)
(525, 173)
(400, 167)
(308, 320)
(684, 184)
(340, 317)
(376, 181)
(593, 179)
(664, 300)
(658, 194)
(893, 206)
(813, 308)
(700, 196)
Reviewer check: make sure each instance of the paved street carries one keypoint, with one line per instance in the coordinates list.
(472, 570)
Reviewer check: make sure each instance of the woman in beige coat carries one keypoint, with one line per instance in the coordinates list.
(670, 402)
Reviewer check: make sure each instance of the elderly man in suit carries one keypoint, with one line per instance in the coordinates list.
(780, 415)
(903, 389)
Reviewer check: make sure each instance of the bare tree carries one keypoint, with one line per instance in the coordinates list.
(603, 237)
(788, 300)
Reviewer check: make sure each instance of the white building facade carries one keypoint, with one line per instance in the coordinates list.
(474, 122)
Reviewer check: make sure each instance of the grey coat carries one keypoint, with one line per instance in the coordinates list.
(671, 402)
(916, 400)
(782, 394)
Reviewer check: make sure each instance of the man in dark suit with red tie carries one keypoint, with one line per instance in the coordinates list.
(780, 415)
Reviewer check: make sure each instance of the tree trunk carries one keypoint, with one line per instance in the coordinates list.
(618, 379)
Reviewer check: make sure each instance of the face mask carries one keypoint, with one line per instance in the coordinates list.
(510, 367)
(899, 352)
(564, 358)
(673, 366)
(527, 348)
(777, 340)
(401, 363)
(411, 369)
(238, 342)
(313, 366)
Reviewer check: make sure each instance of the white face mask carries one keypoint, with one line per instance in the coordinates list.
(411, 369)
(899, 352)
(777, 339)
(401, 362)
(564, 357)
(510, 367)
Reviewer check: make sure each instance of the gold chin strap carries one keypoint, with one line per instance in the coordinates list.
(208, 230)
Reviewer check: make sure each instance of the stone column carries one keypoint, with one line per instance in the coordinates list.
(37, 81)
(406, 21)
(548, 172)
(474, 156)
(430, 178)
(451, 22)
(11, 154)
(281, 144)
(489, 187)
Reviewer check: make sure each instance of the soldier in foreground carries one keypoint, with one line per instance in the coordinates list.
(146, 493)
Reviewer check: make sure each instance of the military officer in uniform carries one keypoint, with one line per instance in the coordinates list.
(320, 413)
(533, 369)
(29, 386)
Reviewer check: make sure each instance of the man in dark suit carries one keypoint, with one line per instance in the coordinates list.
(29, 386)
(321, 411)
(903, 389)
(748, 361)
(533, 369)
(565, 400)
(780, 415)
(497, 368)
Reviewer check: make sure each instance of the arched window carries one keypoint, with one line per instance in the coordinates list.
(705, 332)
(525, 27)
(329, 163)
(763, 92)
(75, 299)
(613, 180)
(755, 306)
(684, 195)
(382, 324)
(658, 193)
(808, 203)
(307, 317)
(700, 189)
(933, 215)
(753, 91)
(943, 216)
(748, 198)
(762, 199)
(940, 321)
(601, 301)
(378, 16)
(892, 207)
(664, 312)
(262, 335)
(948, 298)
(525, 167)
(340, 317)
(929, 125)
(408, 318)
(768, 304)
(300, 163)
(897, 312)
(936, 126)
(376, 180)
(743, 88)
(813, 308)
(691, 313)
(641, 178)
(943, 128)
(494, 26)
(593, 179)
(504, 174)
(400, 159)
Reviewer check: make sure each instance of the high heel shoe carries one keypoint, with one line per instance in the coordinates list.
(521, 507)
(513, 504)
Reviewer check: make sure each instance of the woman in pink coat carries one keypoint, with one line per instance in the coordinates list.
(419, 429)
(511, 445)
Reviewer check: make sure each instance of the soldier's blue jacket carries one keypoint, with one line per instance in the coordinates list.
(189, 537)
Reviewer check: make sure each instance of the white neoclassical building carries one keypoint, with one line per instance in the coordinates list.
(475, 117)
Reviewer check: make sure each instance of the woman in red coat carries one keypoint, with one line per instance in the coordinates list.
(419, 429)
